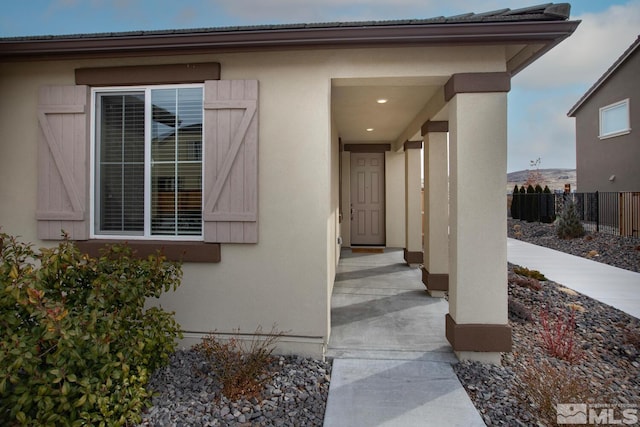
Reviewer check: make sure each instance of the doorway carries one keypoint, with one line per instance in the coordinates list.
(367, 199)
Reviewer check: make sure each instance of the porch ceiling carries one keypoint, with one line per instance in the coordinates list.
(356, 108)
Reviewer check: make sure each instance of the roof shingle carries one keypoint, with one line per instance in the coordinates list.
(542, 12)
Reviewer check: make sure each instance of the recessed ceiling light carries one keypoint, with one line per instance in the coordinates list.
(381, 101)
(369, 129)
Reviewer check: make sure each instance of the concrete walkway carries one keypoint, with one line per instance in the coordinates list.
(614, 286)
(392, 363)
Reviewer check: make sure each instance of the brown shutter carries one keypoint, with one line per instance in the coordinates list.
(231, 161)
(63, 148)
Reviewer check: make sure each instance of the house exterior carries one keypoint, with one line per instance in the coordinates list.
(255, 154)
(607, 120)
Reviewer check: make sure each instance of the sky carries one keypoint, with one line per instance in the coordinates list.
(540, 97)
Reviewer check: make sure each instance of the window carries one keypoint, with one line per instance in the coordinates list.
(148, 148)
(614, 119)
(148, 162)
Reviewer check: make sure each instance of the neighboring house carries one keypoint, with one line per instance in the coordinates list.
(255, 153)
(608, 126)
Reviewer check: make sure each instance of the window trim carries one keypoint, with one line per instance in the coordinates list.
(606, 108)
(146, 236)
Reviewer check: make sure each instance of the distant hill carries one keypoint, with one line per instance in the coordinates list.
(555, 179)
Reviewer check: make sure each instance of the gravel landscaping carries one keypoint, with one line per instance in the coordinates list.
(622, 252)
(604, 352)
(187, 397)
(605, 368)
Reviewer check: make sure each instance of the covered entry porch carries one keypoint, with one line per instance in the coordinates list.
(451, 100)
(391, 360)
(460, 121)
(380, 310)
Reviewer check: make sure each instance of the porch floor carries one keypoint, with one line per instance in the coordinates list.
(392, 363)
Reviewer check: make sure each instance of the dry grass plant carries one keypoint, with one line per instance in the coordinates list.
(631, 335)
(240, 362)
(545, 383)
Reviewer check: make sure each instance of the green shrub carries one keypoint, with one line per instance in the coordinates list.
(532, 204)
(515, 202)
(77, 344)
(569, 225)
(547, 206)
(524, 271)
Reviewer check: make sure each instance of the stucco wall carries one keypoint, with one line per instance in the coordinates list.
(395, 199)
(286, 277)
(598, 159)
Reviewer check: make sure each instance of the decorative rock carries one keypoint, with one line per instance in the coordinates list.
(608, 360)
(188, 395)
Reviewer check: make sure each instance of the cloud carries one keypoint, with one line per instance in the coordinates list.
(186, 16)
(582, 58)
(546, 90)
(539, 128)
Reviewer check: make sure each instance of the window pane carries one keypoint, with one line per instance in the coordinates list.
(614, 119)
(176, 153)
(121, 163)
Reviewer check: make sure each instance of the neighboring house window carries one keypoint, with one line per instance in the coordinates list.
(148, 162)
(614, 119)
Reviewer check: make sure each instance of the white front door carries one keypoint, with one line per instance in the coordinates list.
(367, 199)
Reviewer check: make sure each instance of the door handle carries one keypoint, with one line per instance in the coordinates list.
(352, 212)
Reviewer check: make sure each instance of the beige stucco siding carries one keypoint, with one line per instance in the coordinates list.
(287, 277)
(395, 199)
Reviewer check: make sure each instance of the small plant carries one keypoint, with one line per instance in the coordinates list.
(534, 274)
(525, 282)
(632, 336)
(576, 307)
(569, 225)
(240, 364)
(558, 336)
(542, 384)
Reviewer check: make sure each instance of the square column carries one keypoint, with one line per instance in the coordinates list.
(477, 323)
(435, 273)
(413, 207)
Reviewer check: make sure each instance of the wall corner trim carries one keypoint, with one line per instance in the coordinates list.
(434, 126)
(478, 337)
(148, 74)
(435, 282)
(413, 257)
(173, 250)
(413, 145)
(367, 148)
(477, 83)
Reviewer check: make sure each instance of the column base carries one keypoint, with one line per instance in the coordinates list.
(482, 357)
(413, 257)
(478, 337)
(437, 284)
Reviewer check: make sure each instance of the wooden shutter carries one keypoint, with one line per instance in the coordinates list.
(63, 148)
(231, 161)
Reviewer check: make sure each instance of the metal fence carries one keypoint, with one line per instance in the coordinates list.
(605, 212)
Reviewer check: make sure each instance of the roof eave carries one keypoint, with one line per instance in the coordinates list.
(548, 32)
